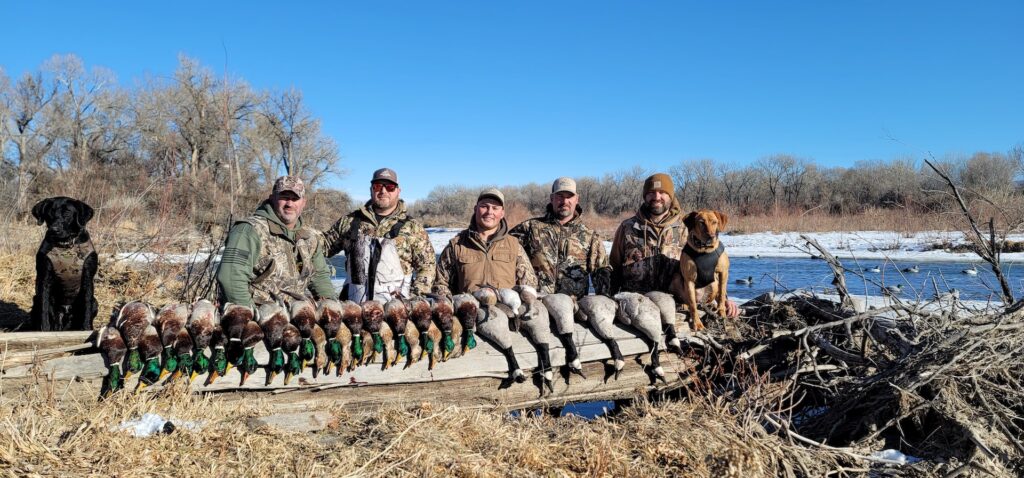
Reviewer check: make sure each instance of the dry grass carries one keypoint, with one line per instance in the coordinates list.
(74, 436)
(897, 220)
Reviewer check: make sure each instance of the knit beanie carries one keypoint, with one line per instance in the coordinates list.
(661, 182)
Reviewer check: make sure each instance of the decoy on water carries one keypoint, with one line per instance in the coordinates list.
(912, 269)
(973, 271)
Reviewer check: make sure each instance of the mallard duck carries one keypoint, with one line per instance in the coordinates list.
(667, 310)
(201, 324)
(112, 347)
(380, 333)
(218, 357)
(598, 313)
(291, 340)
(320, 343)
(352, 317)
(396, 314)
(169, 321)
(642, 314)
(749, 280)
(183, 354)
(430, 336)
(273, 320)
(132, 321)
(251, 335)
(973, 271)
(463, 324)
(562, 309)
(232, 324)
(535, 323)
(338, 341)
(303, 315)
(149, 349)
(449, 325)
(493, 324)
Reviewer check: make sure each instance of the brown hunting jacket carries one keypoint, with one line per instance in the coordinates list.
(645, 254)
(467, 262)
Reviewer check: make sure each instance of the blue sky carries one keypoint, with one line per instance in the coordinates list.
(511, 92)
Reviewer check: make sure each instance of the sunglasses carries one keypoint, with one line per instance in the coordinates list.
(388, 186)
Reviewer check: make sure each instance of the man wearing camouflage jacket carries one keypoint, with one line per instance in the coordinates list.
(566, 255)
(383, 220)
(272, 254)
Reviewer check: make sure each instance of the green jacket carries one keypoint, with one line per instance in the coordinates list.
(262, 258)
(563, 255)
(414, 248)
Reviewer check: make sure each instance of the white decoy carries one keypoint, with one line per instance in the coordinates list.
(748, 281)
(562, 309)
(874, 269)
(973, 271)
(667, 308)
(492, 324)
(535, 324)
(642, 314)
(598, 313)
(912, 269)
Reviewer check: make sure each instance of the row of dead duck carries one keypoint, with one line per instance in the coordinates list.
(341, 335)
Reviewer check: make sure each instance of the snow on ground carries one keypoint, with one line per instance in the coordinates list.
(844, 245)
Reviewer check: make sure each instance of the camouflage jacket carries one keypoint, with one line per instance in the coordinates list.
(263, 258)
(645, 254)
(467, 262)
(414, 249)
(563, 256)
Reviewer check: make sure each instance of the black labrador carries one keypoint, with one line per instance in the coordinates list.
(66, 264)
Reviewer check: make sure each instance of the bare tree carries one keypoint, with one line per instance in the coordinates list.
(291, 139)
(26, 103)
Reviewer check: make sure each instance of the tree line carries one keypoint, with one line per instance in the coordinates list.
(193, 142)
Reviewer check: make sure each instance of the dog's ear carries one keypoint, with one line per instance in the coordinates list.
(41, 211)
(690, 220)
(85, 212)
(723, 219)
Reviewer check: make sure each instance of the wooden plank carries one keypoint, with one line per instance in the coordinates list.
(24, 341)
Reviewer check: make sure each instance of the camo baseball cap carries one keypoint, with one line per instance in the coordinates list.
(290, 183)
(563, 185)
(492, 193)
(385, 174)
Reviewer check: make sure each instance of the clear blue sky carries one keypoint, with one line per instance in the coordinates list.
(484, 92)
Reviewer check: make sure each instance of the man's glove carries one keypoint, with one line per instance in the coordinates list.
(602, 281)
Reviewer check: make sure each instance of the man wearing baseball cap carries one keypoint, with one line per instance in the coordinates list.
(387, 252)
(272, 253)
(566, 254)
(645, 251)
(483, 254)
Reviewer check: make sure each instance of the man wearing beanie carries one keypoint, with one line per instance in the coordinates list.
(483, 254)
(645, 251)
(566, 254)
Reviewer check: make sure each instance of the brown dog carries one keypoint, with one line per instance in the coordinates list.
(704, 265)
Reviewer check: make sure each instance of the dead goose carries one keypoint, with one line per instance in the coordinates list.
(492, 324)
(641, 313)
(562, 309)
(667, 307)
(598, 313)
(535, 323)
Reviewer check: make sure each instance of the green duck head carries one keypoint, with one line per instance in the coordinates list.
(185, 362)
(428, 345)
(168, 361)
(112, 382)
(468, 340)
(150, 374)
(202, 362)
(357, 348)
(402, 347)
(307, 351)
(218, 365)
(247, 365)
(294, 367)
(447, 346)
(275, 365)
(334, 354)
(134, 364)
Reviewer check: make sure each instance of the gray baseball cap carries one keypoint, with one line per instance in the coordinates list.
(563, 185)
(385, 174)
(491, 193)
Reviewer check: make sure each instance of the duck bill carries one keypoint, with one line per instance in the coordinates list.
(271, 375)
(287, 377)
(176, 375)
(139, 386)
(163, 373)
(192, 376)
(214, 375)
(245, 376)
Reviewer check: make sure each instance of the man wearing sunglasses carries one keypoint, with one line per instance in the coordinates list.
(387, 253)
